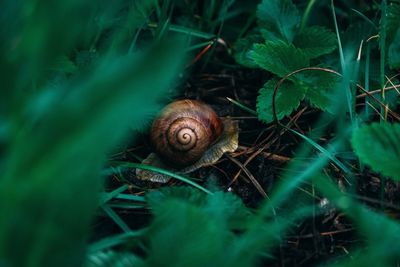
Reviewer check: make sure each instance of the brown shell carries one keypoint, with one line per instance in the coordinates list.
(184, 130)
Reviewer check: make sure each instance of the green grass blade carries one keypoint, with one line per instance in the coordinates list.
(365, 18)
(162, 171)
(186, 31)
(112, 241)
(131, 197)
(307, 13)
(114, 216)
(105, 197)
(127, 205)
(346, 79)
(324, 151)
(240, 105)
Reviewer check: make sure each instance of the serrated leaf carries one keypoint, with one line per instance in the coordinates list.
(378, 145)
(287, 99)
(201, 233)
(279, 19)
(181, 227)
(316, 41)
(156, 197)
(243, 47)
(320, 88)
(279, 58)
(394, 52)
(235, 213)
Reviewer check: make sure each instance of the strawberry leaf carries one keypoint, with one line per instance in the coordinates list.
(204, 229)
(378, 146)
(288, 98)
(230, 205)
(279, 57)
(320, 87)
(316, 41)
(279, 19)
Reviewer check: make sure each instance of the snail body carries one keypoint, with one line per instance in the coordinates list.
(183, 132)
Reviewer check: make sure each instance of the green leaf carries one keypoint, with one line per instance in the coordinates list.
(316, 41)
(279, 19)
(394, 52)
(378, 146)
(287, 99)
(201, 230)
(187, 229)
(113, 241)
(235, 213)
(156, 197)
(279, 57)
(242, 50)
(320, 87)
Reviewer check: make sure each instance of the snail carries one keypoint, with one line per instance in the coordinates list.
(186, 135)
(184, 131)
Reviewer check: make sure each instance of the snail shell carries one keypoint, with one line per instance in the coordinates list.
(184, 130)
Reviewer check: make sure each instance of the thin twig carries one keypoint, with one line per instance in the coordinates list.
(250, 175)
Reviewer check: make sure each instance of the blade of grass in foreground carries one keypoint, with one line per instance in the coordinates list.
(162, 171)
(372, 226)
(345, 69)
(50, 183)
(115, 240)
(117, 220)
(321, 149)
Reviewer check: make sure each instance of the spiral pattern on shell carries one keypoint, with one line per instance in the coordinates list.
(182, 134)
(184, 130)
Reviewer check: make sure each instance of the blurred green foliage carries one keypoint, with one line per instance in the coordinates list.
(370, 142)
(55, 138)
(78, 76)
